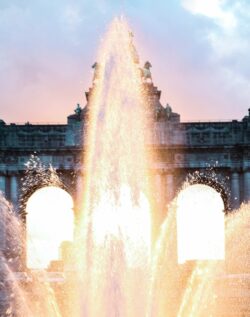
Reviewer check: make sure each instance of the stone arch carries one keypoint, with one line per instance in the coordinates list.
(49, 222)
(218, 185)
(30, 183)
(200, 208)
(38, 182)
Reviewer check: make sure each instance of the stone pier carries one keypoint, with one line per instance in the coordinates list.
(235, 190)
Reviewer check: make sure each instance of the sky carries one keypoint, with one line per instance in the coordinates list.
(199, 50)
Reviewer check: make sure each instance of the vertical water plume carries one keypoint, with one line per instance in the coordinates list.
(22, 293)
(116, 226)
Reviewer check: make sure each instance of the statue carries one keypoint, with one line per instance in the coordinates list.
(146, 73)
(96, 67)
(168, 111)
(78, 110)
(133, 49)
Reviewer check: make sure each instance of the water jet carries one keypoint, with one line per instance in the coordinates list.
(125, 264)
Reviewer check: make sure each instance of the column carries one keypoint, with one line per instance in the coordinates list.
(4, 211)
(79, 192)
(235, 190)
(169, 187)
(3, 215)
(246, 184)
(14, 191)
(19, 252)
(3, 184)
(158, 186)
(159, 207)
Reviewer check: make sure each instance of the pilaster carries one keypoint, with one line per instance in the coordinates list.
(14, 190)
(3, 184)
(235, 190)
(246, 183)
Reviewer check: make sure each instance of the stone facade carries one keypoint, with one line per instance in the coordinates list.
(213, 153)
(217, 153)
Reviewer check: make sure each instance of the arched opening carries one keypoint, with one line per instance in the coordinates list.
(218, 185)
(200, 224)
(49, 222)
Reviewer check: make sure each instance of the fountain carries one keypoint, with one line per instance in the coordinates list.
(116, 225)
(125, 264)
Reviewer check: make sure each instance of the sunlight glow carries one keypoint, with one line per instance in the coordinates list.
(115, 227)
(124, 221)
(50, 221)
(200, 224)
(119, 209)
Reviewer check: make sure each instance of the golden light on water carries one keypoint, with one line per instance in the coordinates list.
(116, 225)
(116, 272)
(125, 221)
(50, 221)
(200, 224)
(116, 192)
(111, 268)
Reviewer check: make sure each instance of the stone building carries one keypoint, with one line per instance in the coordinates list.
(214, 153)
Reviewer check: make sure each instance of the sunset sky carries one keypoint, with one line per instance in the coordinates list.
(199, 50)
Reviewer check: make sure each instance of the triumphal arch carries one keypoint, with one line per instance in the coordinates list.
(214, 153)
